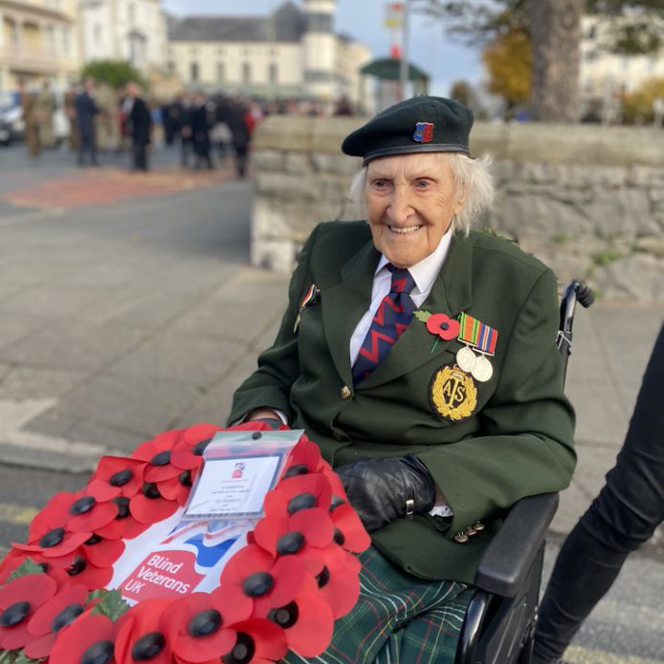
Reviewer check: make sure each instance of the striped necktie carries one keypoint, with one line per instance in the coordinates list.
(390, 322)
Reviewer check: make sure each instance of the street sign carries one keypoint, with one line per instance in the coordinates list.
(394, 15)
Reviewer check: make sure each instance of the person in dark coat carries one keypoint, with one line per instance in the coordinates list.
(236, 119)
(200, 130)
(620, 519)
(140, 122)
(86, 110)
(186, 134)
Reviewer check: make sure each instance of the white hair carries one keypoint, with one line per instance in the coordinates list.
(473, 182)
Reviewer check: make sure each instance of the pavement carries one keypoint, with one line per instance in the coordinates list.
(127, 307)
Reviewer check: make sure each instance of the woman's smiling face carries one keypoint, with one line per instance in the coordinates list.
(411, 200)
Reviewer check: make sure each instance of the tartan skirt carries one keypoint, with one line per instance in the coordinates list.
(398, 619)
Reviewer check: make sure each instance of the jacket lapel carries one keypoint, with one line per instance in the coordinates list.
(344, 304)
(451, 294)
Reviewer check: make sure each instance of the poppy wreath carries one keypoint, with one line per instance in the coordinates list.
(298, 573)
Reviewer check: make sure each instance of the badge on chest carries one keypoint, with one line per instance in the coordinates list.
(453, 394)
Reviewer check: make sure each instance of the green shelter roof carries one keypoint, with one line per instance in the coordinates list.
(388, 69)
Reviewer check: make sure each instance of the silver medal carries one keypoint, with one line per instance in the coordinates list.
(482, 370)
(466, 359)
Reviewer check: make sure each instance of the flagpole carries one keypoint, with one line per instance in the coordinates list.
(403, 65)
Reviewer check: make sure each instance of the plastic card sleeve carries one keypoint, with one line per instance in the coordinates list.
(239, 469)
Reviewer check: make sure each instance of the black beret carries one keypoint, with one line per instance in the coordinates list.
(420, 124)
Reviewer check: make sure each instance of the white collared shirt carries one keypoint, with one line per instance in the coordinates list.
(424, 274)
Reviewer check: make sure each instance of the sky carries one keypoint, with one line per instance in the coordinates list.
(430, 48)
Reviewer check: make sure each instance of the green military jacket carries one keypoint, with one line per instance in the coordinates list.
(517, 441)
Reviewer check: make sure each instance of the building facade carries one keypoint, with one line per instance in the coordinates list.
(133, 30)
(605, 76)
(38, 42)
(293, 53)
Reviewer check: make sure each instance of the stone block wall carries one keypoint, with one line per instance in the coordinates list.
(587, 200)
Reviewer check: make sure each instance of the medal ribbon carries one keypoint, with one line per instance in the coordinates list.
(477, 334)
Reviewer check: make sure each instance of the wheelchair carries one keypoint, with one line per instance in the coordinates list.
(502, 614)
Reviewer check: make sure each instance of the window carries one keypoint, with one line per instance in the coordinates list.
(131, 12)
(50, 38)
(96, 33)
(193, 72)
(221, 72)
(273, 74)
(65, 40)
(246, 73)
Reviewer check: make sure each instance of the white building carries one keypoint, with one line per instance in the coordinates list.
(133, 30)
(38, 42)
(293, 53)
(604, 76)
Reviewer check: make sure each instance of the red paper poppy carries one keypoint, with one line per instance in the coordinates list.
(157, 454)
(76, 569)
(294, 535)
(298, 493)
(200, 625)
(350, 533)
(102, 552)
(442, 325)
(19, 600)
(188, 453)
(178, 488)
(76, 512)
(141, 636)
(308, 622)
(10, 563)
(124, 526)
(89, 639)
(116, 476)
(148, 506)
(339, 583)
(304, 458)
(53, 516)
(268, 582)
(258, 642)
(55, 543)
(59, 612)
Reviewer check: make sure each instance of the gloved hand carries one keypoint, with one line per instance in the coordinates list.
(379, 488)
(272, 422)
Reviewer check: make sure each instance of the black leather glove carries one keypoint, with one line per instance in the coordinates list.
(382, 490)
(272, 422)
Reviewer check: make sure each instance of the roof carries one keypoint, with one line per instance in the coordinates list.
(286, 24)
(390, 68)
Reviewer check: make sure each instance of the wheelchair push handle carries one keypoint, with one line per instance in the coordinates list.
(577, 291)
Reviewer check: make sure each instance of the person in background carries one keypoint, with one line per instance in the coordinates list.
(237, 117)
(140, 128)
(186, 133)
(74, 139)
(622, 517)
(108, 127)
(200, 129)
(45, 107)
(29, 116)
(86, 110)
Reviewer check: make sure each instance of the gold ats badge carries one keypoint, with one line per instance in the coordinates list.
(453, 394)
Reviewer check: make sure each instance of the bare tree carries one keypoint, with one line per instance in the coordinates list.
(555, 27)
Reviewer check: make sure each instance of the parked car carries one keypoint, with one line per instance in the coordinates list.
(12, 127)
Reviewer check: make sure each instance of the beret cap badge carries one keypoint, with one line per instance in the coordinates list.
(424, 132)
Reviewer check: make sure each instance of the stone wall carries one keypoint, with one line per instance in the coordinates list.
(587, 200)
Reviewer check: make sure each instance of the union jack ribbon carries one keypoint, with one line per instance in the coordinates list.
(477, 334)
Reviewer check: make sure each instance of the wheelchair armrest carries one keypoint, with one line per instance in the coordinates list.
(512, 550)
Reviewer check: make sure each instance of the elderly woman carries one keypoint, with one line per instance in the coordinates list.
(420, 355)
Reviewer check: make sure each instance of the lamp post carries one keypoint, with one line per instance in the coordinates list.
(403, 64)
